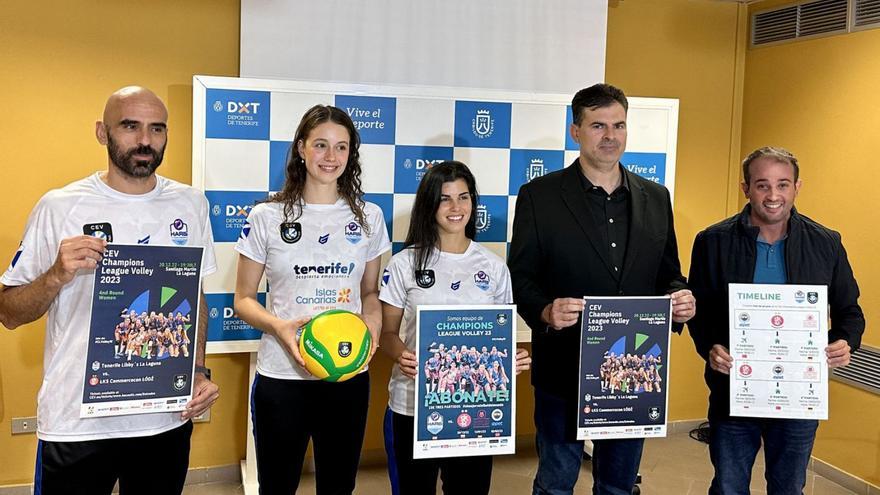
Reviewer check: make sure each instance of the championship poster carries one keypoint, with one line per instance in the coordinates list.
(778, 335)
(624, 367)
(142, 337)
(466, 381)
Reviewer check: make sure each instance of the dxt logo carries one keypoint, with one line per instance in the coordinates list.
(237, 107)
(238, 210)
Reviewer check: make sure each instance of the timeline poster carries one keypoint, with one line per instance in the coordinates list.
(142, 337)
(624, 366)
(778, 335)
(466, 381)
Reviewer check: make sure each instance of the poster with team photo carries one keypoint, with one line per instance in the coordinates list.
(142, 337)
(624, 367)
(466, 381)
(778, 335)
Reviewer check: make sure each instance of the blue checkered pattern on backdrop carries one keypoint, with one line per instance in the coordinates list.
(247, 138)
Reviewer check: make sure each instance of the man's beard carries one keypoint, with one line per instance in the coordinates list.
(128, 165)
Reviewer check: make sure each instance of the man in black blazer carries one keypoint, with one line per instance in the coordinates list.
(595, 229)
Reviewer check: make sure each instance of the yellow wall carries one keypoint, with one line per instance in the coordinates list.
(818, 98)
(59, 61)
(686, 50)
(66, 57)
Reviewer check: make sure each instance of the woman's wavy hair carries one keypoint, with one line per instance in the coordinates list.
(348, 184)
(422, 235)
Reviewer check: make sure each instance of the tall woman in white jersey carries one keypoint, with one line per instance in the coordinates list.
(438, 258)
(318, 220)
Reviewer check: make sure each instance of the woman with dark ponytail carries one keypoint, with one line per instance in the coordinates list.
(436, 266)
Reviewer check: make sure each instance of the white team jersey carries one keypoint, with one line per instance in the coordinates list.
(62, 213)
(312, 264)
(458, 279)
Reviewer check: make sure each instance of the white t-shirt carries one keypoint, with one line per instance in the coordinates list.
(312, 264)
(457, 280)
(63, 213)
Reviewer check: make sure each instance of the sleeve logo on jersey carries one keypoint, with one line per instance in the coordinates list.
(425, 278)
(245, 230)
(481, 280)
(386, 276)
(179, 232)
(101, 230)
(353, 232)
(291, 232)
(17, 255)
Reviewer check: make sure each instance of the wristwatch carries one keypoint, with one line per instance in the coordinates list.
(205, 371)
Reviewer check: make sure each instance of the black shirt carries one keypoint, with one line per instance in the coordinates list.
(610, 211)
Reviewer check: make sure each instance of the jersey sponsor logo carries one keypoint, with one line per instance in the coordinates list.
(102, 230)
(434, 423)
(334, 269)
(455, 285)
(291, 232)
(325, 297)
(425, 278)
(386, 277)
(144, 240)
(179, 232)
(481, 280)
(323, 239)
(353, 232)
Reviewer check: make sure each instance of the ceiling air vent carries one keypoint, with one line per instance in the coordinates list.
(867, 12)
(801, 20)
(774, 25)
(824, 16)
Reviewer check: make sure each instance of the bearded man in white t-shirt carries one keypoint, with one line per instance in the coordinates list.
(53, 271)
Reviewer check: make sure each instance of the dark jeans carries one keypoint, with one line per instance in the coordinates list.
(734, 443)
(615, 462)
(460, 475)
(287, 413)
(92, 467)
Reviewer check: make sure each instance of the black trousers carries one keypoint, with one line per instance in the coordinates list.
(287, 413)
(460, 475)
(143, 465)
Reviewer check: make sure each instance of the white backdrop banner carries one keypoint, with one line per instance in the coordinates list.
(548, 46)
(242, 132)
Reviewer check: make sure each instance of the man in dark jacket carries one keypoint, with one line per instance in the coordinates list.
(768, 242)
(594, 229)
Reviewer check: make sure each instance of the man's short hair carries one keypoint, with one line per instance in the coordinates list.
(776, 153)
(596, 96)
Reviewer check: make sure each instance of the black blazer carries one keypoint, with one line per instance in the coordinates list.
(554, 253)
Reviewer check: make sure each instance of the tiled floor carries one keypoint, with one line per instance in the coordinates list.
(676, 465)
